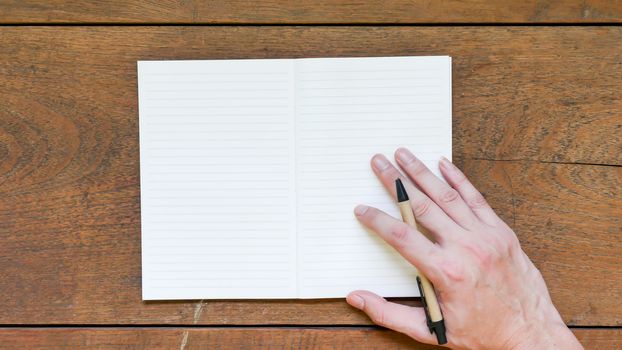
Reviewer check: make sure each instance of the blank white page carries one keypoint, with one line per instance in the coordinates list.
(217, 176)
(347, 110)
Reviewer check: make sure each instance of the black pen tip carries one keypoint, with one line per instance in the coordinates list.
(402, 196)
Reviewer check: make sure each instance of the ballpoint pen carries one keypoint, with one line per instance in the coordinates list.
(433, 314)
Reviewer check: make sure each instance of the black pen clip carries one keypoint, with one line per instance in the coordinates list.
(428, 319)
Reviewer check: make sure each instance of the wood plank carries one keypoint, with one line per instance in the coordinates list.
(599, 338)
(309, 11)
(242, 338)
(69, 180)
(519, 93)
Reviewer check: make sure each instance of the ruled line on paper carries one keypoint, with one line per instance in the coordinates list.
(220, 98)
(360, 87)
(385, 116)
(221, 269)
(209, 288)
(246, 115)
(390, 76)
(177, 254)
(217, 89)
(212, 206)
(367, 96)
(238, 261)
(383, 70)
(224, 81)
(355, 128)
(220, 245)
(204, 107)
(380, 104)
(214, 124)
(394, 283)
(204, 237)
(229, 147)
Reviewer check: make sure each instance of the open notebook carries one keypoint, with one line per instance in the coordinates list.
(250, 170)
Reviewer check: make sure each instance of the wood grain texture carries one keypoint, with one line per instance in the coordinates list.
(69, 172)
(310, 11)
(242, 338)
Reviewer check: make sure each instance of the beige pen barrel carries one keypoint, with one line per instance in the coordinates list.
(434, 308)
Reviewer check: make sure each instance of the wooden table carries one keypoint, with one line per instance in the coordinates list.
(537, 126)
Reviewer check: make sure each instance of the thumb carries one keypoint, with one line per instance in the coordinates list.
(404, 319)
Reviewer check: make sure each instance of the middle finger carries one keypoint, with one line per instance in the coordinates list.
(442, 194)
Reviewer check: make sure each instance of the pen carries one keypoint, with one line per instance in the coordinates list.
(433, 314)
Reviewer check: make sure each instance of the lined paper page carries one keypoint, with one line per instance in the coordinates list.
(217, 176)
(348, 110)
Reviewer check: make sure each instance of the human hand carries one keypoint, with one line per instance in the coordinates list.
(491, 294)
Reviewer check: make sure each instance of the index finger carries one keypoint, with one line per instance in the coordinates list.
(409, 242)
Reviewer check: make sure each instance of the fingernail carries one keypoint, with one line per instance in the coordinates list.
(405, 156)
(380, 162)
(445, 162)
(356, 301)
(360, 210)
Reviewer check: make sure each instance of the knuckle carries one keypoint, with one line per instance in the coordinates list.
(391, 173)
(486, 253)
(422, 208)
(461, 179)
(434, 255)
(504, 244)
(501, 246)
(487, 258)
(379, 316)
(452, 270)
(449, 196)
(477, 202)
(400, 233)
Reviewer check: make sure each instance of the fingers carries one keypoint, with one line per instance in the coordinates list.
(426, 211)
(468, 192)
(409, 242)
(405, 319)
(443, 195)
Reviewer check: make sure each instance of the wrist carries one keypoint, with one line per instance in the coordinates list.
(543, 329)
(552, 335)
